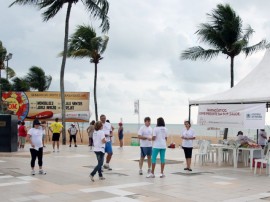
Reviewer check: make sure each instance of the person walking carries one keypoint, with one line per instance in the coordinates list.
(107, 129)
(160, 134)
(72, 134)
(90, 130)
(145, 137)
(56, 129)
(35, 139)
(22, 134)
(99, 149)
(121, 135)
(188, 135)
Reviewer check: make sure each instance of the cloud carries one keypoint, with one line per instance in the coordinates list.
(142, 58)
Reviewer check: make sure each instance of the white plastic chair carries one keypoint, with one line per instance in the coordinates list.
(203, 152)
(263, 161)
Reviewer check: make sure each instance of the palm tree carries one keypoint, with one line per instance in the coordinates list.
(98, 9)
(85, 44)
(225, 34)
(20, 84)
(3, 53)
(37, 79)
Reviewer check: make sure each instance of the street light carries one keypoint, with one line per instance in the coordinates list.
(7, 58)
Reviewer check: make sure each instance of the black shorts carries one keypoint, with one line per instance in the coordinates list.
(55, 136)
(72, 137)
(188, 152)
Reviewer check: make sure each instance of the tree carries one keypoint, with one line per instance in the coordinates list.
(20, 84)
(85, 44)
(37, 79)
(225, 34)
(98, 9)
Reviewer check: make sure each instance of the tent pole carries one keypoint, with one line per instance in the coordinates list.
(189, 113)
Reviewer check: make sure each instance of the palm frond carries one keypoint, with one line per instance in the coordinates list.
(208, 34)
(25, 2)
(259, 46)
(10, 72)
(248, 33)
(99, 9)
(81, 53)
(52, 8)
(198, 52)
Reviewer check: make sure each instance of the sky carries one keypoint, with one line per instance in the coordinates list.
(142, 60)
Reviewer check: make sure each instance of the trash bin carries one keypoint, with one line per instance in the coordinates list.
(8, 133)
(135, 141)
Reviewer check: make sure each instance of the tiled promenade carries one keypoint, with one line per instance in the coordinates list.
(67, 179)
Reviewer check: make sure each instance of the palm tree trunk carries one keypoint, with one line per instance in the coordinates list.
(95, 92)
(232, 84)
(232, 72)
(62, 88)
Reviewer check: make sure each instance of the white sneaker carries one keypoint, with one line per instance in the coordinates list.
(149, 171)
(162, 175)
(42, 172)
(92, 178)
(140, 172)
(150, 175)
(33, 172)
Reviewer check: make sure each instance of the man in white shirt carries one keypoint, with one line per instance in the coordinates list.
(72, 134)
(107, 129)
(145, 136)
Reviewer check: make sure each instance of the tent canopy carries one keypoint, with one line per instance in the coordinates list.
(254, 88)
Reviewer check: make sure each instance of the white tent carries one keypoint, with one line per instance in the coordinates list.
(254, 88)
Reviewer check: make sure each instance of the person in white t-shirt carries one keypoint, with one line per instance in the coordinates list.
(160, 134)
(145, 137)
(99, 149)
(35, 139)
(72, 134)
(107, 129)
(188, 135)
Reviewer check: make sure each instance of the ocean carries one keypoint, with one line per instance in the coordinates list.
(175, 129)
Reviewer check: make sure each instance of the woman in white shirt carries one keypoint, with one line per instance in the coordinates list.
(188, 136)
(159, 138)
(35, 135)
(99, 149)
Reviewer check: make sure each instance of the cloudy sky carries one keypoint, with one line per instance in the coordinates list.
(142, 59)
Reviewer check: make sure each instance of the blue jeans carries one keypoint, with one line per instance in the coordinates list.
(100, 159)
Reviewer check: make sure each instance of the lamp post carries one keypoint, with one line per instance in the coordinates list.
(7, 58)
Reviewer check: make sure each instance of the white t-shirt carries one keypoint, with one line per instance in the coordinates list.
(160, 133)
(145, 132)
(98, 136)
(107, 128)
(188, 134)
(72, 130)
(36, 137)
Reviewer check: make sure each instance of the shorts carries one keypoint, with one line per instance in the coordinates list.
(161, 153)
(188, 152)
(55, 136)
(22, 140)
(146, 151)
(43, 137)
(120, 137)
(108, 147)
(72, 137)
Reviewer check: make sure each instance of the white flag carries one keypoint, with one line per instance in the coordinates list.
(136, 107)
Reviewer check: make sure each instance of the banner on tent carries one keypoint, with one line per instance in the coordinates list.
(249, 116)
